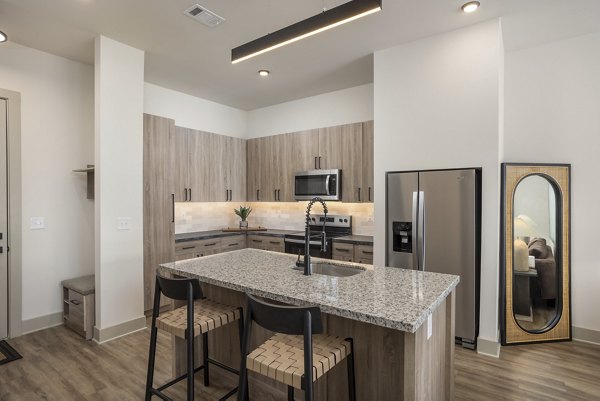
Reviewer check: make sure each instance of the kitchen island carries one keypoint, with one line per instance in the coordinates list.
(402, 322)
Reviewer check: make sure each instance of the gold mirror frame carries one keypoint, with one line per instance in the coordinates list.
(559, 175)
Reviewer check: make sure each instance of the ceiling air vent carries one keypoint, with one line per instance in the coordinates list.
(203, 15)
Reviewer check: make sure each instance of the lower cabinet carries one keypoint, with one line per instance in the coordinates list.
(353, 253)
(275, 244)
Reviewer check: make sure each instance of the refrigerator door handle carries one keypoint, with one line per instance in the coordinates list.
(421, 231)
(415, 223)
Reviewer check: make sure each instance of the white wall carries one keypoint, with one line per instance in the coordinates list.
(335, 108)
(552, 116)
(119, 95)
(194, 112)
(438, 105)
(57, 136)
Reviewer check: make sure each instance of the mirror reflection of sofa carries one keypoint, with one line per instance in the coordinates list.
(544, 288)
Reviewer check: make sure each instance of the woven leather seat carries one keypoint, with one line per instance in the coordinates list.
(208, 315)
(281, 357)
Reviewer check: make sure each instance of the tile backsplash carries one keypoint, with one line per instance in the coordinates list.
(192, 217)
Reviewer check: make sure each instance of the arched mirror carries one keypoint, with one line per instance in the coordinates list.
(535, 253)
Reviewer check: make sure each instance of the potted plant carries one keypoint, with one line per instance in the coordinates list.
(243, 212)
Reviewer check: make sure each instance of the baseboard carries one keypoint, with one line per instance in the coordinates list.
(119, 330)
(586, 335)
(488, 347)
(42, 322)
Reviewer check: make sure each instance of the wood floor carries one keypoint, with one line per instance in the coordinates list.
(59, 365)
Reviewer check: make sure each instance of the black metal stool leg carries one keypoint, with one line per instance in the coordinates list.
(151, 362)
(290, 393)
(351, 378)
(205, 358)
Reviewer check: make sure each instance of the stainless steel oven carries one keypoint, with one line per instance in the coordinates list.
(326, 184)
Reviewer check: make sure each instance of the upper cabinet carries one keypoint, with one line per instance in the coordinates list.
(273, 160)
(209, 167)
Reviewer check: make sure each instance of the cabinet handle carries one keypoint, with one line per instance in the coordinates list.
(173, 207)
(274, 242)
(226, 195)
(74, 302)
(256, 240)
(188, 247)
(319, 162)
(275, 192)
(233, 244)
(341, 249)
(368, 252)
(359, 194)
(258, 194)
(190, 189)
(230, 195)
(315, 162)
(211, 244)
(369, 194)
(279, 195)
(185, 194)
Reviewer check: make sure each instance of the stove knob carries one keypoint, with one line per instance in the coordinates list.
(341, 220)
(345, 220)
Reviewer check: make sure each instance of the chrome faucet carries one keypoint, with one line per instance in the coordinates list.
(306, 263)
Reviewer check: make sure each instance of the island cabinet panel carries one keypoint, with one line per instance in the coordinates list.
(391, 365)
(159, 142)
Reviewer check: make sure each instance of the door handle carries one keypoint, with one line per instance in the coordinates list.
(415, 228)
(421, 232)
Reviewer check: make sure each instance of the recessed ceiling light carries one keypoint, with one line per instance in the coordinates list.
(3, 37)
(264, 73)
(470, 6)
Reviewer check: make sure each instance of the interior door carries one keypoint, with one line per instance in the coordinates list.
(3, 225)
(450, 230)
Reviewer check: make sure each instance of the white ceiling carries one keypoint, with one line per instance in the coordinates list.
(184, 55)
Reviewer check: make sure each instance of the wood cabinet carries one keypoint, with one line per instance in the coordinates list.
(266, 243)
(159, 197)
(209, 167)
(368, 157)
(352, 252)
(272, 161)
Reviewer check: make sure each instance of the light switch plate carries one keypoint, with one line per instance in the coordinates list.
(124, 223)
(429, 326)
(37, 223)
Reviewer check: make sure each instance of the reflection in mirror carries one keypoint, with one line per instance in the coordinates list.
(535, 273)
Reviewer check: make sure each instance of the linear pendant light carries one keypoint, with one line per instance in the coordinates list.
(339, 15)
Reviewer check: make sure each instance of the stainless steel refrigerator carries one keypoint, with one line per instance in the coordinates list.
(434, 224)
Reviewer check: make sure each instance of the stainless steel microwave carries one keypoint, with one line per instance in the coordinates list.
(326, 184)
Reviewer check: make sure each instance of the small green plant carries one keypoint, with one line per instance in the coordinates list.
(243, 212)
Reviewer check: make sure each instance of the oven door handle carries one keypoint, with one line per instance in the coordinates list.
(299, 241)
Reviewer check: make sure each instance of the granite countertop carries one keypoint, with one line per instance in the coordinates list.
(356, 239)
(385, 296)
(199, 235)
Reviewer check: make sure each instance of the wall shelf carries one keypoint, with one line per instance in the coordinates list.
(89, 170)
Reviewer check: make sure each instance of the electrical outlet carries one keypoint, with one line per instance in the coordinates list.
(37, 223)
(124, 223)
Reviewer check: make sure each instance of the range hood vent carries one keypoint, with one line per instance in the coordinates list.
(201, 14)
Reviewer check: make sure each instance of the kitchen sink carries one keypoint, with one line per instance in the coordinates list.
(330, 269)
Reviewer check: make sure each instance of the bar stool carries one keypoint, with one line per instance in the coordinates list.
(285, 356)
(198, 317)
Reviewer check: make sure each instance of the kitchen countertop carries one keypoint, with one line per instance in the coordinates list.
(384, 296)
(200, 235)
(356, 239)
